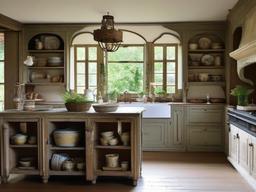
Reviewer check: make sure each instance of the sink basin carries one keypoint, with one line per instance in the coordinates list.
(152, 110)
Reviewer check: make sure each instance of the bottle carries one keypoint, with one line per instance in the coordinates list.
(39, 44)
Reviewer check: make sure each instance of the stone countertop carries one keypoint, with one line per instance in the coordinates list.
(63, 111)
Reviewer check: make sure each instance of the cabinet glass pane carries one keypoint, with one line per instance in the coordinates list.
(170, 89)
(170, 79)
(158, 53)
(80, 53)
(92, 68)
(80, 80)
(158, 67)
(92, 53)
(1, 46)
(80, 67)
(1, 72)
(1, 93)
(171, 53)
(170, 67)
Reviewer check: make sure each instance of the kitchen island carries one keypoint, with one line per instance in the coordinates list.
(46, 155)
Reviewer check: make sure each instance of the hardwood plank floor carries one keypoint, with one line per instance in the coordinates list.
(162, 172)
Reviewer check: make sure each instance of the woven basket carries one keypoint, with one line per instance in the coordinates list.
(78, 107)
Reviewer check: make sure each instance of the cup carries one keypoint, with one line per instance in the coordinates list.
(124, 165)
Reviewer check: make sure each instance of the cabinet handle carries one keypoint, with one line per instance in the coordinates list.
(237, 136)
(250, 144)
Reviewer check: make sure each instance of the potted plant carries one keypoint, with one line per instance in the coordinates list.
(76, 102)
(242, 93)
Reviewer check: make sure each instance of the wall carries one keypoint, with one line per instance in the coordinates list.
(236, 19)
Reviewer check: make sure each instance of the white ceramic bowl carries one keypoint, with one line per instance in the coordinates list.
(107, 134)
(113, 141)
(19, 139)
(193, 46)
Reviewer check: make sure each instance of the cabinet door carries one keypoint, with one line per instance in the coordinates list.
(177, 118)
(252, 157)
(154, 133)
(196, 136)
(233, 143)
(213, 136)
(243, 149)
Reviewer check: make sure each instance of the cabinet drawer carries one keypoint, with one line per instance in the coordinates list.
(205, 136)
(204, 115)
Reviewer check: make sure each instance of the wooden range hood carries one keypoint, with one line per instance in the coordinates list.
(246, 53)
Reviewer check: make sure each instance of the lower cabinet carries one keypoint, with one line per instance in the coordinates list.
(155, 134)
(204, 127)
(242, 153)
(64, 145)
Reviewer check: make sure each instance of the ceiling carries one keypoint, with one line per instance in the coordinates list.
(124, 11)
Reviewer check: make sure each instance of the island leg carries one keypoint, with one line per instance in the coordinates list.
(45, 179)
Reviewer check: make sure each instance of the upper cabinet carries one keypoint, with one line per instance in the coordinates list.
(47, 73)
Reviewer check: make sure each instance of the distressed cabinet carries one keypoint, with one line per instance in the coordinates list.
(155, 134)
(178, 131)
(204, 127)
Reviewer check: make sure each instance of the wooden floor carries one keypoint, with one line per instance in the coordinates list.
(162, 171)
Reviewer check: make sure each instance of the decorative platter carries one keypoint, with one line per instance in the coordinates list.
(204, 43)
(51, 42)
(207, 59)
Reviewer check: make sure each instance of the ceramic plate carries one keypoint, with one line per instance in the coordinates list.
(204, 43)
(207, 59)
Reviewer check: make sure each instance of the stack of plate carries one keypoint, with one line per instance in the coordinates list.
(57, 161)
(54, 61)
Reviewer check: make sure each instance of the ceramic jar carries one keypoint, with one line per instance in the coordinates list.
(112, 160)
(125, 138)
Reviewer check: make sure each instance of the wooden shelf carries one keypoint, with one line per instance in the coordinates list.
(205, 67)
(113, 147)
(23, 146)
(46, 51)
(206, 50)
(46, 84)
(61, 67)
(16, 170)
(113, 173)
(66, 148)
(52, 172)
(208, 83)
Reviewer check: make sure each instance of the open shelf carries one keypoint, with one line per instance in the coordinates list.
(51, 147)
(46, 84)
(51, 172)
(113, 173)
(113, 147)
(206, 50)
(46, 51)
(221, 83)
(205, 67)
(17, 170)
(23, 146)
(60, 67)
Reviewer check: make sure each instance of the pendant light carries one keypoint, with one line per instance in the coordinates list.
(107, 36)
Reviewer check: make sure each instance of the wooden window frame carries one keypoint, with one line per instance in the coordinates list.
(86, 61)
(165, 61)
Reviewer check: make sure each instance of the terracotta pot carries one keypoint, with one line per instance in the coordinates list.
(78, 107)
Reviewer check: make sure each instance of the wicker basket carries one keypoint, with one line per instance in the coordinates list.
(78, 107)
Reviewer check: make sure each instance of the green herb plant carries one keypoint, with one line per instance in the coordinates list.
(240, 90)
(72, 97)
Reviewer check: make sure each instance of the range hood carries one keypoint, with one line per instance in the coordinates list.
(246, 53)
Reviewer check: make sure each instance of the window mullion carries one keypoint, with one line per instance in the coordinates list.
(164, 68)
(86, 67)
(75, 68)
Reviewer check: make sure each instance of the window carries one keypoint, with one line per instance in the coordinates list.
(2, 71)
(125, 69)
(85, 67)
(165, 68)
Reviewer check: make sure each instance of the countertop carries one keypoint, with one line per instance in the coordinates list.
(63, 111)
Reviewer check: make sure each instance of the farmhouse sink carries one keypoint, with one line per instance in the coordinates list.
(152, 110)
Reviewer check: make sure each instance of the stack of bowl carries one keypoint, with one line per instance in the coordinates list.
(54, 61)
(108, 138)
